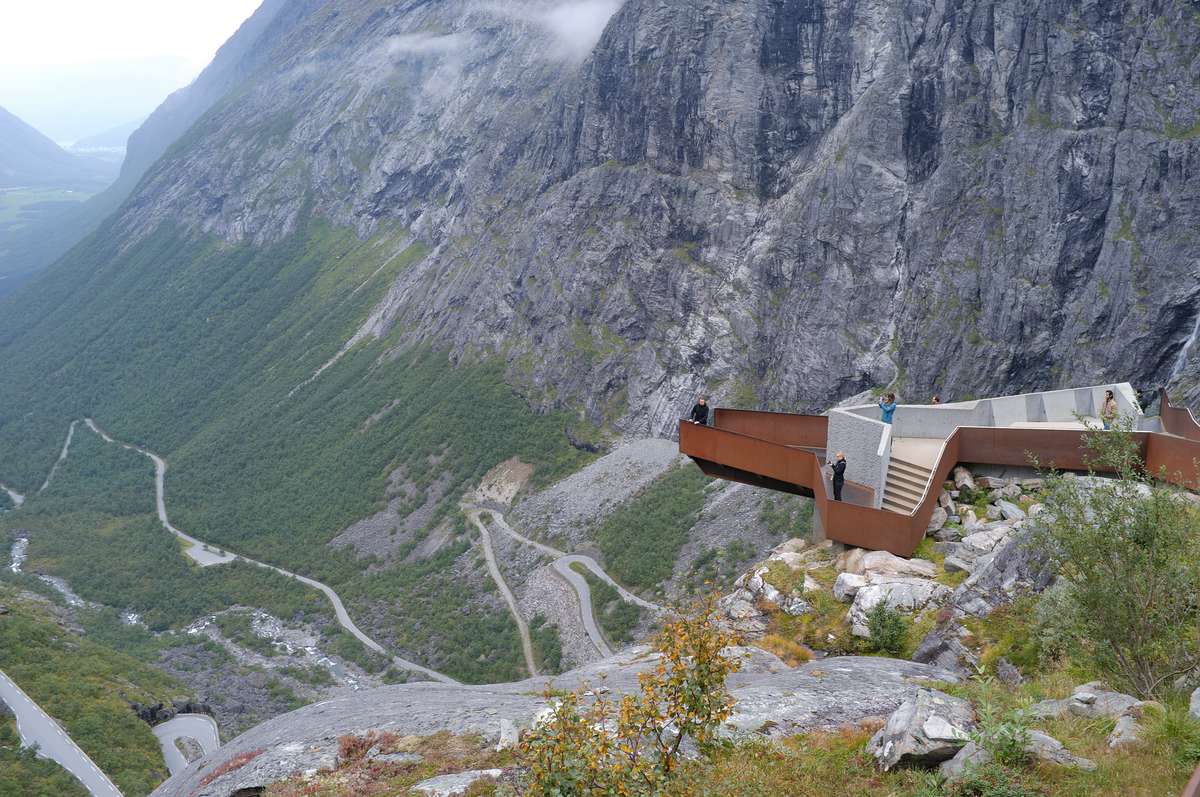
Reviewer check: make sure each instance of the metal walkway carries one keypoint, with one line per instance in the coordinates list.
(781, 451)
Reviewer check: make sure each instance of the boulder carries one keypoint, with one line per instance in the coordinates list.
(963, 479)
(1091, 700)
(510, 735)
(937, 520)
(847, 586)
(741, 614)
(946, 502)
(949, 533)
(1013, 569)
(966, 759)
(943, 647)
(993, 512)
(454, 785)
(954, 564)
(985, 540)
(1041, 746)
(992, 482)
(929, 728)
(1032, 485)
(1010, 511)
(1126, 731)
(905, 595)
(1194, 705)
(850, 561)
(1046, 748)
(1012, 491)
(1007, 673)
(886, 564)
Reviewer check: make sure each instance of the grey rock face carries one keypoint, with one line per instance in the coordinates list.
(905, 595)
(929, 728)
(800, 199)
(1194, 704)
(771, 699)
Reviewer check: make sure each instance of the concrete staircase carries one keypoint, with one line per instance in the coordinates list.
(906, 482)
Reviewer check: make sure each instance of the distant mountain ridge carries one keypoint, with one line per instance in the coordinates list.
(30, 159)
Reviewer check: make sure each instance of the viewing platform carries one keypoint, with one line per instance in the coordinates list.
(895, 471)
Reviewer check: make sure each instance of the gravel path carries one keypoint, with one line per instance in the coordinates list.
(204, 556)
(62, 457)
(490, 557)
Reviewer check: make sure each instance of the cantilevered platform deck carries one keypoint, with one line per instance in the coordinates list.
(786, 452)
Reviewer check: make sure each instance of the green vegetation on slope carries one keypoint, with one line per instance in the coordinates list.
(87, 688)
(642, 539)
(23, 773)
(94, 528)
(455, 635)
(201, 352)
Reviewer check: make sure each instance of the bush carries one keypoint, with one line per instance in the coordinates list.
(992, 780)
(1006, 737)
(633, 747)
(1128, 550)
(889, 632)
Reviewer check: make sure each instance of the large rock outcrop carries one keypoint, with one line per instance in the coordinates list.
(772, 700)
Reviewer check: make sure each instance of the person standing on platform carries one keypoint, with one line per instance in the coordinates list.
(887, 407)
(839, 476)
(700, 412)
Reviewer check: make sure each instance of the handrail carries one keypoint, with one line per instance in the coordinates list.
(1178, 421)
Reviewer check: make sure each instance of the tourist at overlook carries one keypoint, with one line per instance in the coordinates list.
(937, 399)
(887, 407)
(699, 412)
(1108, 411)
(839, 476)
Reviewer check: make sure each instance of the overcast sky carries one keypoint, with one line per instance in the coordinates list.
(76, 67)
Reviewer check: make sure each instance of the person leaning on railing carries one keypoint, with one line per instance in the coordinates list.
(699, 412)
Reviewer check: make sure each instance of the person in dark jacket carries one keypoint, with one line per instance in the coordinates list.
(700, 412)
(839, 476)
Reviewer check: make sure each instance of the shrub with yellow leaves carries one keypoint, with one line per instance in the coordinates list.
(631, 747)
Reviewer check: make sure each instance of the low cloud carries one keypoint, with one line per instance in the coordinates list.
(576, 25)
(425, 44)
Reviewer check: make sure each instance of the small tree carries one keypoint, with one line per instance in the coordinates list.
(1128, 549)
(632, 747)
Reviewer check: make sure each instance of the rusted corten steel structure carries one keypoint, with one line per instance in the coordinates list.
(786, 452)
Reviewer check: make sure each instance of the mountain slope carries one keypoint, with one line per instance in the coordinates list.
(41, 244)
(29, 159)
(413, 240)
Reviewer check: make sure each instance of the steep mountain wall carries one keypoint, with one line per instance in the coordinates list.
(791, 199)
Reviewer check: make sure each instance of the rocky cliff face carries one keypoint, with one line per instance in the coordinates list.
(783, 202)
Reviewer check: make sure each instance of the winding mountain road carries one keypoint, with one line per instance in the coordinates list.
(200, 727)
(562, 566)
(489, 556)
(36, 727)
(204, 555)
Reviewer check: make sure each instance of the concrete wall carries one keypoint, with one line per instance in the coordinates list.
(924, 420)
(860, 439)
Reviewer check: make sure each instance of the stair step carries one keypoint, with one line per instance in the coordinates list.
(894, 507)
(896, 477)
(915, 466)
(912, 470)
